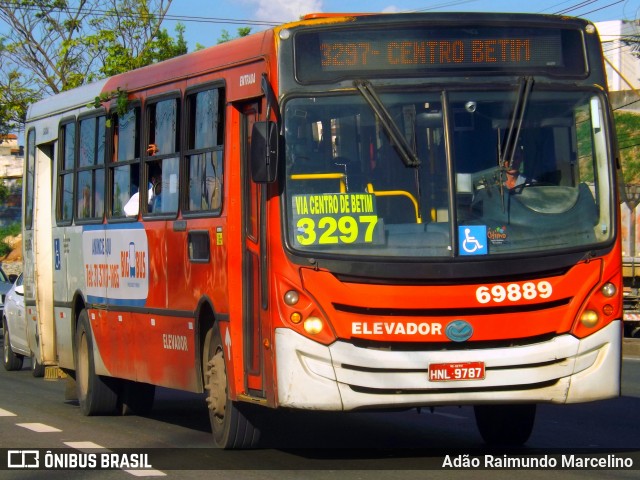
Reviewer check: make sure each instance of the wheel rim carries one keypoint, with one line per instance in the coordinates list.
(217, 399)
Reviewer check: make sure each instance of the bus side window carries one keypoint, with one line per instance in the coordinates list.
(205, 117)
(125, 167)
(64, 210)
(161, 157)
(90, 185)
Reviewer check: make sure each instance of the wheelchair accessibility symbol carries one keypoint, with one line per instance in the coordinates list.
(472, 239)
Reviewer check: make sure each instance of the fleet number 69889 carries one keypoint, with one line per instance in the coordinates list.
(514, 292)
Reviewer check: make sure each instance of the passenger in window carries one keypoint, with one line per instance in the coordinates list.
(131, 208)
(155, 187)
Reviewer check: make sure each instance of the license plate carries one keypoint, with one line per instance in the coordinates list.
(452, 372)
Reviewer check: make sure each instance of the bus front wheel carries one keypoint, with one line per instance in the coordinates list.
(506, 425)
(96, 394)
(233, 424)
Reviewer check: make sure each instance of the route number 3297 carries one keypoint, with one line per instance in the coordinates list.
(514, 292)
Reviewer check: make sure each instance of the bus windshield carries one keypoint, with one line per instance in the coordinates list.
(475, 172)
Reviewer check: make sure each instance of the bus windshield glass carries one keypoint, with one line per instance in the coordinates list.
(476, 172)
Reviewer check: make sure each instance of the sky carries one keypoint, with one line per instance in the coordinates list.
(212, 17)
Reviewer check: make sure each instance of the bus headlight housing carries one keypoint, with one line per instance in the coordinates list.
(603, 306)
(301, 313)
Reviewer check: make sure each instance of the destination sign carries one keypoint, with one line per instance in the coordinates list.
(335, 219)
(337, 53)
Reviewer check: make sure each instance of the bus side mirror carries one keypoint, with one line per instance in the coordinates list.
(264, 152)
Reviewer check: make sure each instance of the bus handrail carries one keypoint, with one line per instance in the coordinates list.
(322, 176)
(397, 193)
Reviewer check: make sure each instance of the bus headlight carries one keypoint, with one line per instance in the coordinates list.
(291, 298)
(589, 318)
(313, 325)
(609, 290)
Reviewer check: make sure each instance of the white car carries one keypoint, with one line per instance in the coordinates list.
(20, 338)
(6, 282)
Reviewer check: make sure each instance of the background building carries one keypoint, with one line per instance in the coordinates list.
(11, 161)
(621, 46)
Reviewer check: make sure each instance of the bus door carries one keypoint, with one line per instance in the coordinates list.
(254, 261)
(41, 244)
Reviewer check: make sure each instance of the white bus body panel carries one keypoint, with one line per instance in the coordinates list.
(45, 266)
(345, 377)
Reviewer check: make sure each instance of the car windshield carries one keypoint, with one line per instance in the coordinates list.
(3, 276)
(486, 173)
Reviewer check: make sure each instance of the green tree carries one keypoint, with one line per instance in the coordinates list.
(56, 45)
(4, 192)
(225, 36)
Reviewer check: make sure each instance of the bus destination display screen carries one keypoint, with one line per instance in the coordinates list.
(328, 55)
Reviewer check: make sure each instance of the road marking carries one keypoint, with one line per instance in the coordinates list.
(6, 413)
(84, 446)
(38, 427)
(146, 473)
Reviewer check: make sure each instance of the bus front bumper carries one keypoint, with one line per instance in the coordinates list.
(342, 376)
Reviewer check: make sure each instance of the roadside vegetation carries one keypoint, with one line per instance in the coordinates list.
(628, 130)
(12, 230)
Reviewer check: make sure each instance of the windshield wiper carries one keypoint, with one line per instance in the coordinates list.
(407, 154)
(505, 156)
(517, 117)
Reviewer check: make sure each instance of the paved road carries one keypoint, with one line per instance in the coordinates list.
(389, 445)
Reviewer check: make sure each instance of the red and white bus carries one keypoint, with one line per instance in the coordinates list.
(342, 213)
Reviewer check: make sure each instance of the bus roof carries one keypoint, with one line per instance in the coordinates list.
(66, 102)
(175, 69)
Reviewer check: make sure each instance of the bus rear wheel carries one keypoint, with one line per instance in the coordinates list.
(233, 424)
(506, 425)
(96, 394)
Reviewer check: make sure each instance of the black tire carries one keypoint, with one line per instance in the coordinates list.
(11, 361)
(233, 424)
(505, 425)
(136, 398)
(37, 369)
(97, 395)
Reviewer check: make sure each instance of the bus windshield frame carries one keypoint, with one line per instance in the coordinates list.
(349, 192)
